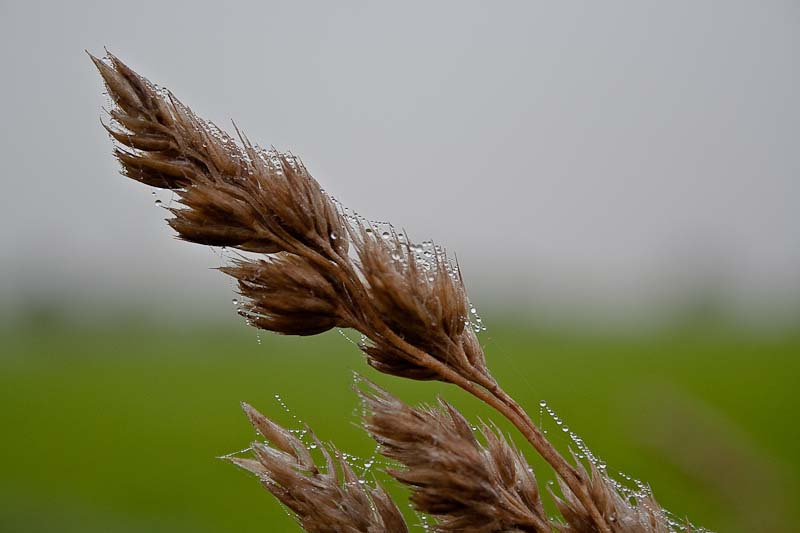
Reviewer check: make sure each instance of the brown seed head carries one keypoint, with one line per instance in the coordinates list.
(423, 302)
(237, 196)
(467, 485)
(412, 310)
(328, 500)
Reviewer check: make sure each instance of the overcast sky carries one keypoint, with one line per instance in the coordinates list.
(600, 156)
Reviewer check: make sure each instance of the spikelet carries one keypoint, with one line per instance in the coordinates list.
(326, 500)
(237, 196)
(466, 485)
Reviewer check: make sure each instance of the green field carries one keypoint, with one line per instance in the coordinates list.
(118, 429)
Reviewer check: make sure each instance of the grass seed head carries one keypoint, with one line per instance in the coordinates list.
(324, 499)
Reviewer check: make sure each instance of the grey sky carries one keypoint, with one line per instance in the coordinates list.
(591, 156)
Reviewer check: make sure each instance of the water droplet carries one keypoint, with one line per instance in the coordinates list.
(386, 235)
(334, 236)
(158, 202)
(235, 301)
(543, 403)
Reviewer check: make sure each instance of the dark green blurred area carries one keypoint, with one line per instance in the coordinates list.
(117, 428)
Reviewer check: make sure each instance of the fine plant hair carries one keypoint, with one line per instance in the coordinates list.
(317, 268)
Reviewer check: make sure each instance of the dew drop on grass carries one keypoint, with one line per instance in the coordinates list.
(283, 405)
(238, 452)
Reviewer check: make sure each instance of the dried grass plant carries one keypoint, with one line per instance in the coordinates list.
(318, 269)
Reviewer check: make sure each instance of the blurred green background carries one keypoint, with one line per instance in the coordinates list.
(118, 426)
